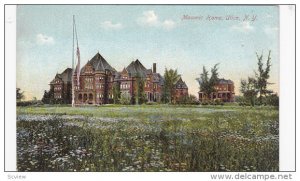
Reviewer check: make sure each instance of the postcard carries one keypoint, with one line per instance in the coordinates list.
(148, 88)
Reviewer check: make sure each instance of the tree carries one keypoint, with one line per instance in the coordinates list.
(272, 100)
(249, 90)
(165, 97)
(171, 77)
(207, 85)
(48, 97)
(20, 95)
(116, 92)
(258, 86)
(140, 95)
(262, 76)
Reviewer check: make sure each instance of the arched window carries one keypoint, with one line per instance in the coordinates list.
(90, 96)
(84, 97)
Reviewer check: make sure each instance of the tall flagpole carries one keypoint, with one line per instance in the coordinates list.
(73, 93)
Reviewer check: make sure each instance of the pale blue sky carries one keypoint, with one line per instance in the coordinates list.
(151, 33)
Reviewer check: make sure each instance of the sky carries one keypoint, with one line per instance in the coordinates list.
(182, 37)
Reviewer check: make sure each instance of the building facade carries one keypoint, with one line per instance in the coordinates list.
(95, 82)
(61, 86)
(97, 79)
(181, 90)
(224, 92)
(129, 77)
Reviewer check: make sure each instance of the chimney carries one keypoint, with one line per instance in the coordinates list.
(154, 67)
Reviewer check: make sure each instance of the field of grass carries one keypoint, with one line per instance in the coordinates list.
(147, 138)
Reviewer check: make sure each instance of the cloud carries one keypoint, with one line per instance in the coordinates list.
(244, 27)
(150, 19)
(109, 25)
(168, 24)
(44, 39)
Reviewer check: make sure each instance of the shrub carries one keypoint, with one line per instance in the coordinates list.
(151, 103)
(125, 98)
(30, 103)
(271, 100)
(188, 99)
(218, 102)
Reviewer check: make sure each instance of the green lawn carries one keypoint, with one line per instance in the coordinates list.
(148, 138)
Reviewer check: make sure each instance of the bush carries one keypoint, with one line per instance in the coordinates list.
(271, 100)
(218, 102)
(188, 99)
(244, 104)
(214, 102)
(205, 102)
(125, 98)
(151, 103)
(56, 101)
(30, 103)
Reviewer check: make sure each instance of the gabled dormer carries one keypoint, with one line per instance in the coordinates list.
(124, 74)
(180, 84)
(57, 79)
(88, 68)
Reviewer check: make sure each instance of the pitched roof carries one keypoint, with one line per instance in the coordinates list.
(117, 76)
(225, 81)
(158, 78)
(136, 68)
(99, 64)
(180, 84)
(65, 76)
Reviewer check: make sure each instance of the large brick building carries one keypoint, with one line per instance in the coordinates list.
(96, 81)
(153, 81)
(97, 78)
(224, 91)
(61, 86)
